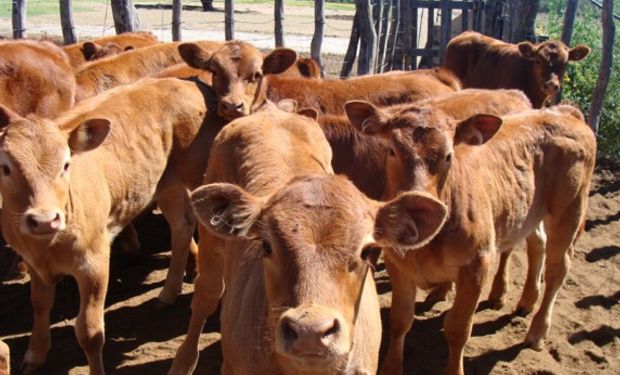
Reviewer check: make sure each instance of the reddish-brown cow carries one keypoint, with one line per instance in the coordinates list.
(481, 61)
(35, 77)
(329, 95)
(80, 53)
(127, 147)
(98, 76)
(290, 245)
(537, 168)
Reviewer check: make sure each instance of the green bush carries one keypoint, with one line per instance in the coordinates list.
(580, 79)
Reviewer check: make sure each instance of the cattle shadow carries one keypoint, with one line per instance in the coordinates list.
(607, 188)
(485, 364)
(591, 224)
(601, 336)
(602, 253)
(599, 300)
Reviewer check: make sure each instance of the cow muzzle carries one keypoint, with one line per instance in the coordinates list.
(551, 87)
(231, 109)
(43, 223)
(313, 337)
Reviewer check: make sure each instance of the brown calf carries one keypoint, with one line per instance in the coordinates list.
(98, 76)
(135, 144)
(35, 77)
(329, 95)
(537, 168)
(290, 245)
(80, 53)
(481, 61)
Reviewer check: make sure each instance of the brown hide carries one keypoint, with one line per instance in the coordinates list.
(481, 61)
(35, 77)
(294, 258)
(537, 167)
(329, 95)
(362, 157)
(98, 76)
(115, 44)
(5, 359)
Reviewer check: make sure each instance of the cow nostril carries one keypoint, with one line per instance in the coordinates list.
(31, 221)
(239, 106)
(289, 333)
(334, 329)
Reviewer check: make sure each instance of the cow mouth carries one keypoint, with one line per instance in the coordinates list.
(314, 361)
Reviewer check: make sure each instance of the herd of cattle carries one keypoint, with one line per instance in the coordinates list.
(303, 180)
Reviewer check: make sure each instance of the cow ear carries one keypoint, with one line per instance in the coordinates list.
(309, 112)
(89, 49)
(227, 210)
(409, 221)
(7, 116)
(366, 118)
(578, 53)
(287, 105)
(195, 56)
(477, 130)
(308, 68)
(527, 49)
(279, 60)
(89, 135)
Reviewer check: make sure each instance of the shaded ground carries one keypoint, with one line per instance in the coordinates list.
(584, 338)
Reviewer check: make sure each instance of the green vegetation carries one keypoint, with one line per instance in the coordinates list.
(581, 77)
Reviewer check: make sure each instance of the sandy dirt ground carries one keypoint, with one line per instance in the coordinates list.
(584, 337)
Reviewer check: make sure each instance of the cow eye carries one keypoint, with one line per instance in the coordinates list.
(256, 76)
(6, 170)
(391, 152)
(66, 167)
(449, 158)
(266, 248)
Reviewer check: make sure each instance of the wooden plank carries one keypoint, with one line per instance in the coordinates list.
(569, 21)
(465, 19)
(123, 14)
(349, 57)
(368, 36)
(445, 30)
(393, 37)
(19, 19)
(410, 30)
(383, 36)
(66, 21)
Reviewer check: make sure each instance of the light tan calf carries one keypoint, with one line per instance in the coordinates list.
(98, 76)
(157, 137)
(537, 168)
(94, 49)
(5, 359)
(290, 244)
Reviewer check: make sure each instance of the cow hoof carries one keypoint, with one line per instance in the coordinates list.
(534, 344)
(496, 304)
(522, 311)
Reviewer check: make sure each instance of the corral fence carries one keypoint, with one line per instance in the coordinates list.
(383, 35)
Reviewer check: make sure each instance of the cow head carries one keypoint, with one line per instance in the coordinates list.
(421, 142)
(238, 69)
(35, 159)
(549, 62)
(93, 51)
(315, 235)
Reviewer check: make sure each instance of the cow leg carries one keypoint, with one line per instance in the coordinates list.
(497, 296)
(93, 284)
(535, 257)
(439, 293)
(458, 321)
(208, 289)
(561, 233)
(42, 298)
(129, 239)
(174, 204)
(402, 314)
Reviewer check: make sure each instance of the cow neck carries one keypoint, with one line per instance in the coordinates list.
(536, 96)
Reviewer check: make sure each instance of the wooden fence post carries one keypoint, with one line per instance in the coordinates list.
(523, 19)
(393, 35)
(445, 32)
(609, 31)
(19, 19)
(383, 35)
(207, 5)
(66, 21)
(176, 20)
(278, 10)
(317, 38)
(368, 36)
(123, 14)
(349, 56)
(569, 21)
(229, 19)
